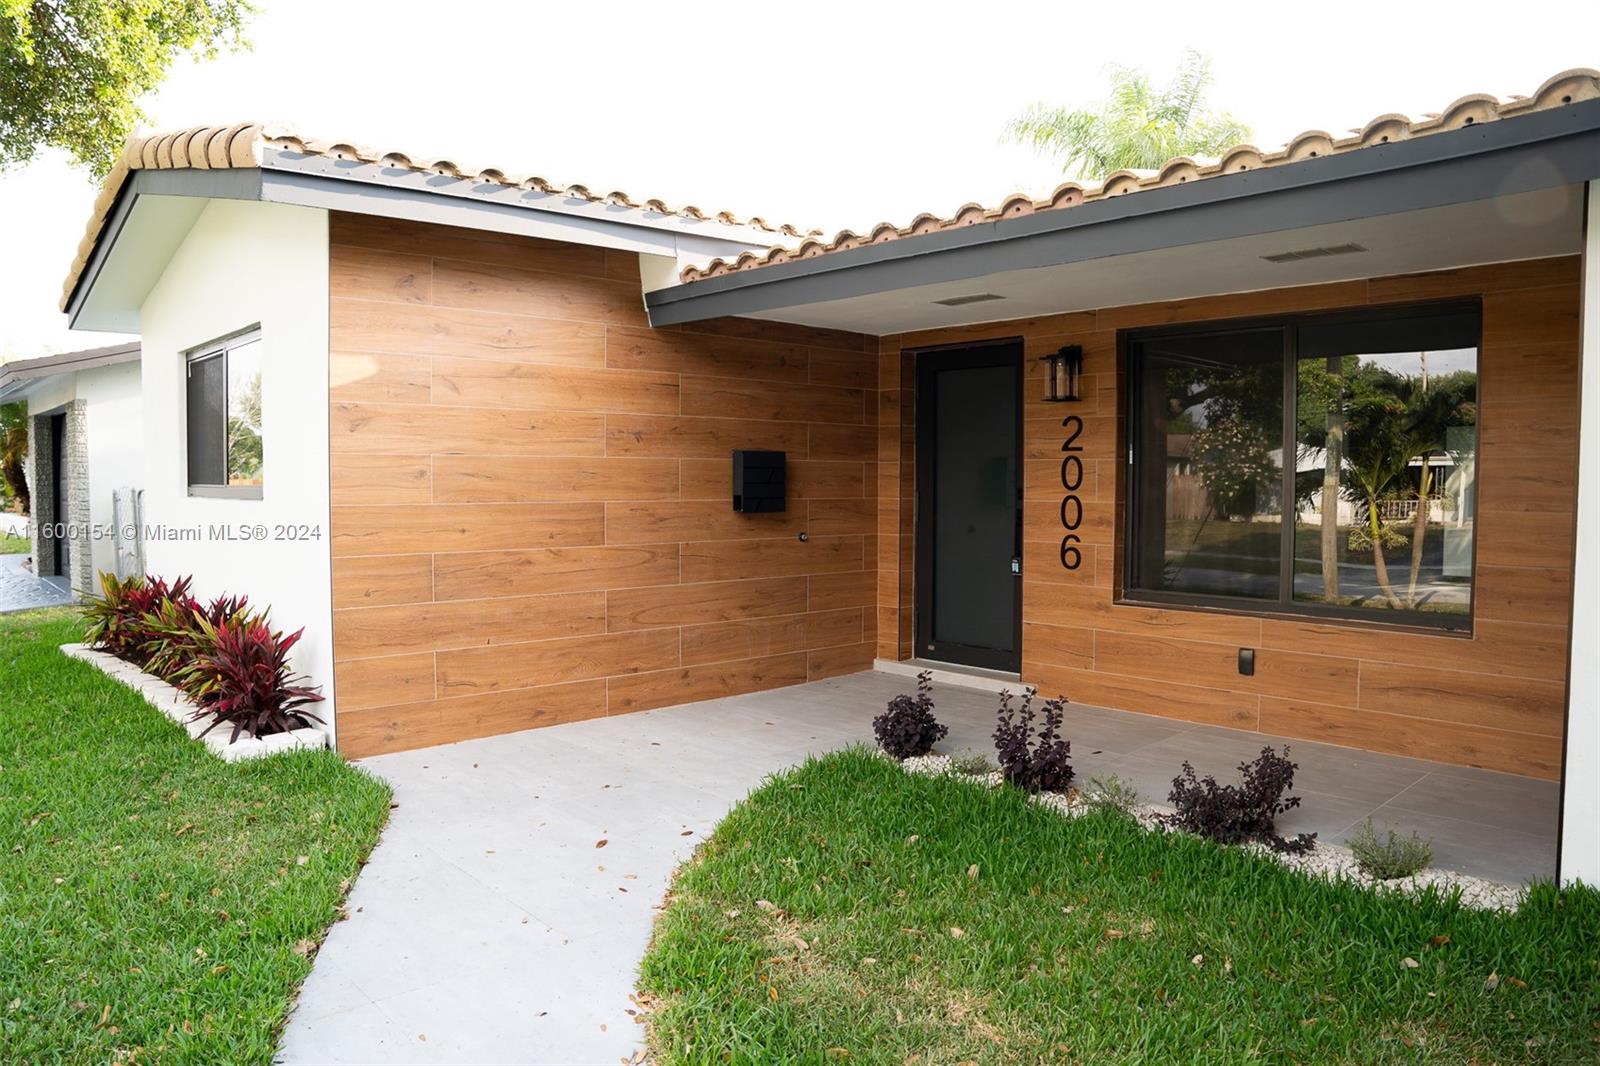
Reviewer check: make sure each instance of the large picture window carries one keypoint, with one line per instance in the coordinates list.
(1322, 465)
(223, 408)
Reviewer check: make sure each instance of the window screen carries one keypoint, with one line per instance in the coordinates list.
(208, 444)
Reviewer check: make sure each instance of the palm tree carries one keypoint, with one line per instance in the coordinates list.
(13, 451)
(1435, 409)
(1322, 389)
(1136, 128)
(1378, 456)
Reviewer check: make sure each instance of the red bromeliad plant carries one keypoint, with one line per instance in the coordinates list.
(177, 638)
(221, 654)
(244, 680)
(120, 618)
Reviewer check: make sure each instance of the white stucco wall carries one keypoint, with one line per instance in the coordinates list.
(1580, 800)
(52, 394)
(116, 446)
(245, 263)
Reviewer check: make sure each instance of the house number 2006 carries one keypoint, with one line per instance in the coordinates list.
(1071, 504)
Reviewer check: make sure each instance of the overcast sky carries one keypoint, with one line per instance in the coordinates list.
(822, 113)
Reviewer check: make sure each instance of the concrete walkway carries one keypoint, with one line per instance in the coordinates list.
(491, 928)
(21, 590)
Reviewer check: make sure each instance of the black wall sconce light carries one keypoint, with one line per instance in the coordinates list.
(1063, 370)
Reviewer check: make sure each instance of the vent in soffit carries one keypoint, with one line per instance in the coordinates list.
(971, 298)
(1314, 253)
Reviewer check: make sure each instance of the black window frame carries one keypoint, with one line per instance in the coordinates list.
(1285, 605)
(220, 348)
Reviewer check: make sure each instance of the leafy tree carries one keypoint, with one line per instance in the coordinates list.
(244, 434)
(1137, 127)
(1232, 412)
(1234, 458)
(13, 453)
(73, 70)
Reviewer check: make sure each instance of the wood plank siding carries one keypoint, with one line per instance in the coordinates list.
(1493, 699)
(531, 524)
(530, 491)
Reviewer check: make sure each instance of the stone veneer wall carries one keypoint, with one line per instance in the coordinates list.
(41, 470)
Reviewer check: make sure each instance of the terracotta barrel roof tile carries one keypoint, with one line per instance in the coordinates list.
(1565, 88)
(246, 144)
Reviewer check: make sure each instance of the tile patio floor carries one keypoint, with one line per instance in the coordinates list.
(22, 590)
(488, 928)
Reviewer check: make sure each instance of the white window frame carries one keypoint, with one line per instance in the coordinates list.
(217, 349)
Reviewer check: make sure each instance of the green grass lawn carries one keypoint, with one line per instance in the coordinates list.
(924, 920)
(14, 545)
(156, 904)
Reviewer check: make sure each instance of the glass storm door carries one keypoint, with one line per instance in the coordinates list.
(969, 506)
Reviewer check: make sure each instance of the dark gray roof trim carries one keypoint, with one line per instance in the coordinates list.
(1560, 146)
(17, 373)
(336, 186)
(239, 184)
(420, 198)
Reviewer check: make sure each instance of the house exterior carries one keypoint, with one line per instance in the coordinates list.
(1287, 441)
(84, 457)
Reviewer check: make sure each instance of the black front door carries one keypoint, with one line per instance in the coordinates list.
(58, 472)
(969, 506)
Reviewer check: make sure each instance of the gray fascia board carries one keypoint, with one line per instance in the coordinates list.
(17, 375)
(447, 202)
(232, 184)
(79, 360)
(1556, 147)
(398, 192)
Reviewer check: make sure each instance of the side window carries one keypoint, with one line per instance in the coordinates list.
(223, 407)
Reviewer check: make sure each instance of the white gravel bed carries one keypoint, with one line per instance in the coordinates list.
(1325, 860)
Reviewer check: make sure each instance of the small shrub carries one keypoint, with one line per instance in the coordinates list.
(244, 681)
(908, 729)
(1039, 765)
(1113, 794)
(1233, 814)
(1385, 859)
(973, 762)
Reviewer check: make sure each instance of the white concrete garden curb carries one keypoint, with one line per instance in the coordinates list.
(178, 707)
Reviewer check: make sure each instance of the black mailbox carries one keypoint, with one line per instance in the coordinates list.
(757, 481)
